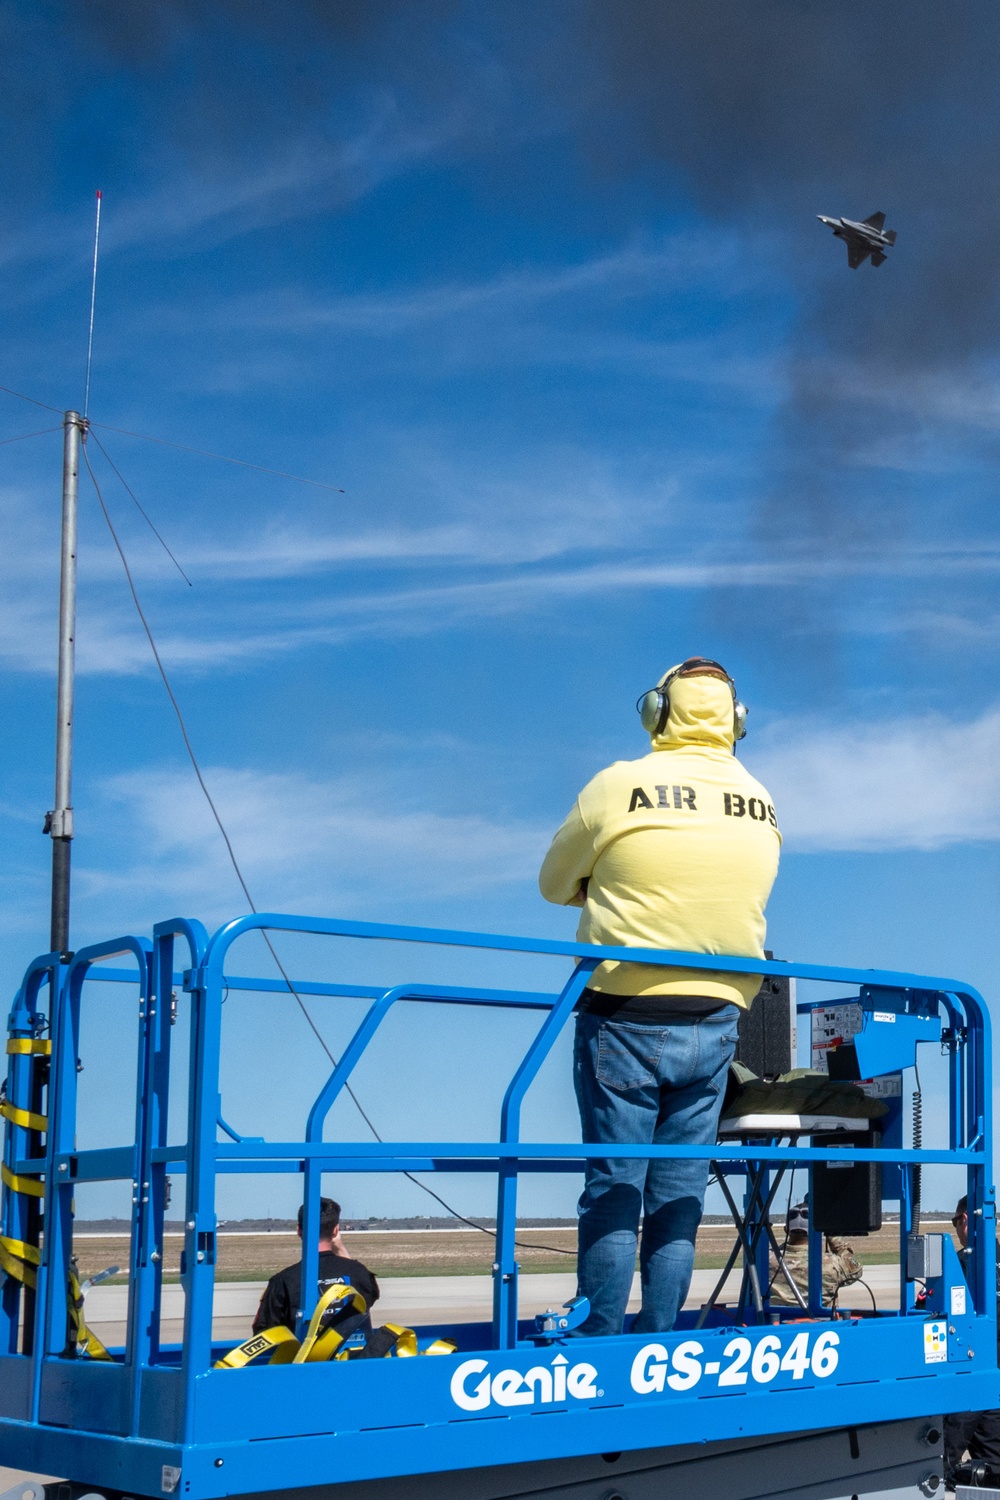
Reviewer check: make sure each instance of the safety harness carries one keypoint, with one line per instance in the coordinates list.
(279, 1346)
(19, 1259)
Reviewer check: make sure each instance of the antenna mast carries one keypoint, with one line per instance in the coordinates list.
(59, 822)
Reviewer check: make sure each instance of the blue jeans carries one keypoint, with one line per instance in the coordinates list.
(639, 1083)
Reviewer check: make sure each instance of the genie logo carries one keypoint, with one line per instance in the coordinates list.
(542, 1385)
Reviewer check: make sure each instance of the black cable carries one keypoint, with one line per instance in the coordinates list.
(21, 436)
(205, 453)
(862, 1282)
(134, 498)
(555, 1249)
(30, 399)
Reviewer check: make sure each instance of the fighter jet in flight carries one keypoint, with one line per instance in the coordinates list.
(864, 239)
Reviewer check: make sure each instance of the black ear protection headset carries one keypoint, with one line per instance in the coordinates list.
(654, 706)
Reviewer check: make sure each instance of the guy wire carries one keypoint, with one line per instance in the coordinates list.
(135, 500)
(146, 437)
(22, 435)
(555, 1249)
(9, 390)
(206, 453)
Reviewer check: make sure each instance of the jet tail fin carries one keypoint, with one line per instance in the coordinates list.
(890, 235)
(877, 257)
(875, 220)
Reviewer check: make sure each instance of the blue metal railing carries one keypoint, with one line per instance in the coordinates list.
(201, 1156)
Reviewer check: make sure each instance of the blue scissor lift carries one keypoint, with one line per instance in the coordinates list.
(751, 1404)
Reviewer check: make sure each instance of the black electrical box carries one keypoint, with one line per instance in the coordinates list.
(765, 1030)
(846, 1197)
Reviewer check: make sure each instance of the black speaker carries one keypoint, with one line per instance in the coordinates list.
(765, 1030)
(846, 1198)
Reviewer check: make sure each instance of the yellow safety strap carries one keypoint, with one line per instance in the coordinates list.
(29, 1185)
(280, 1341)
(405, 1347)
(32, 1046)
(19, 1259)
(406, 1343)
(320, 1343)
(86, 1341)
(23, 1117)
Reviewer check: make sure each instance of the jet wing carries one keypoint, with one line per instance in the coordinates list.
(878, 256)
(857, 253)
(876, 221)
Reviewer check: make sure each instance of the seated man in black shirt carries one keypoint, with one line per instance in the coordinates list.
(282, 1295)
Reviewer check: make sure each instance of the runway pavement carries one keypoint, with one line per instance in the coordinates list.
(413, 1300)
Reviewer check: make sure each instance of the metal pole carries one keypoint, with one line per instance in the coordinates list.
(59, 823)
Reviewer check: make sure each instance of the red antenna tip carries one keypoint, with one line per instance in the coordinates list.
(99, 193)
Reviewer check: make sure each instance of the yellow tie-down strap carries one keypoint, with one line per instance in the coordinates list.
(29, 1185)
(23, 1117)
(31, 1046)
(280, 1342)
(406, 1344)
(19, 1260)
(319, 1344)
(86, 1341)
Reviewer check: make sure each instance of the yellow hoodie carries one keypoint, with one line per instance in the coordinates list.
(680, 850)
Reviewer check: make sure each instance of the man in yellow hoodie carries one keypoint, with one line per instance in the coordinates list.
(677, 850)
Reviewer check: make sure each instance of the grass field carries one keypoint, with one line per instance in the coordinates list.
(254, 1257)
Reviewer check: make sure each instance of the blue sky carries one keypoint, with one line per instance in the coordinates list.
(548, 300)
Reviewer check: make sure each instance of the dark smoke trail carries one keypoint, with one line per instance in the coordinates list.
(760, 115)
(770, 113)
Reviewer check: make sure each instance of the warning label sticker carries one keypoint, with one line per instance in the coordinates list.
(936, 1341)
(832, 1026)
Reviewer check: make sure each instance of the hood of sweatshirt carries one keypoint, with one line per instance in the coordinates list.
(701, 713)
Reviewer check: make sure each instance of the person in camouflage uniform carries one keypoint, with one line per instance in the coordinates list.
(841, 1266)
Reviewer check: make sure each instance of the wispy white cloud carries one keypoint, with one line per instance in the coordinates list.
(566, 315)
(345, 845)
(507, 548)
(906, 783)
(632, 270)
(350, 844)
(187, 211)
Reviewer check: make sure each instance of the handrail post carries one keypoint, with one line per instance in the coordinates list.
(152, 1108)
(148, 1244)
(505, 1266)
(312, 1175)
(199, 1213)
